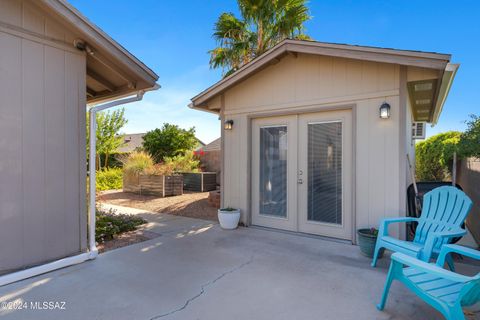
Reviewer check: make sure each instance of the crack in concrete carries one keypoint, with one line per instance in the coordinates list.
(203, 289)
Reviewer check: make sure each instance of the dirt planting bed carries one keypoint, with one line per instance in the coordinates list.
(190, 204)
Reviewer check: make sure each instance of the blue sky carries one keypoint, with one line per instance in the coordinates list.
(173, 37)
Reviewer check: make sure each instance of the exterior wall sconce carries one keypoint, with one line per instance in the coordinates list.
(228, 125)
(384, 111)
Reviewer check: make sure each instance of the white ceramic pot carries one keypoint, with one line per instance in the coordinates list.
(229, 219)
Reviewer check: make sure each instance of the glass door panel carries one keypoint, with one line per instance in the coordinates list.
(325, 172)
(273, 171)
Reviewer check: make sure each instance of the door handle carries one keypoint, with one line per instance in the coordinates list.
(300, 181)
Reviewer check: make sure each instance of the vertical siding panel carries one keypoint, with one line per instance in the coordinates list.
(282, 77)
(72, 163)
(354, 77)
(11, 202)
(392, 166)
(369, 76)
(230, 152)
(33, 141)
(340, 76)
(362, 163)
(325, 72)
(54, 30)
(378, 140)
(33, 19)
(81, 108)
(42, 194)
(11, 12)
(243, 166)
(386, 77)
(306, 79)
(54, 152)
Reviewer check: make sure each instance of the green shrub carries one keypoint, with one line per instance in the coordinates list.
(169, 141)
(433, 157)
(110, 224)
(184, 163)
(136, 162)
(109, 179)
(470, 140)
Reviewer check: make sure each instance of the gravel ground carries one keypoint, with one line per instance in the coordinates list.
(193, 205)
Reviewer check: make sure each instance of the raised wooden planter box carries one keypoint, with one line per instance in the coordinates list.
(153, 185)
(200, 181)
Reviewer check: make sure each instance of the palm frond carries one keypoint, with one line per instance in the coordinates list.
(264, 23)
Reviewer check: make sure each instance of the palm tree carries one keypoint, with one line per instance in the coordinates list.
(264, 23)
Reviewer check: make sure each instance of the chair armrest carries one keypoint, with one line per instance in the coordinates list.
(429, 268)
(433, 237)
(464, 251)
(383, 230)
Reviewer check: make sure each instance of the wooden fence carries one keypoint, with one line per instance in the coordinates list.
(468, 177)
(154, 185)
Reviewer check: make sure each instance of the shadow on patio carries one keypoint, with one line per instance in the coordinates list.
(195, 270)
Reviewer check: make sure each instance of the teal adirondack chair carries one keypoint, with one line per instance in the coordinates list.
(444, 210)
(444, 290)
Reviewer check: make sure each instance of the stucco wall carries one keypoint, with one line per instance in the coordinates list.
(42, 140)
(308, 83)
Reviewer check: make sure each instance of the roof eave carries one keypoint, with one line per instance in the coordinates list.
(431, 60)
(82, 24)
(203, 108)
(447, 80)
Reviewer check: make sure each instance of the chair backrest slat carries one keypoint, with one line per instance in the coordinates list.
(444, 208)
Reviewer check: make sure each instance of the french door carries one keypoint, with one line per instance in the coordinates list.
(302, 173)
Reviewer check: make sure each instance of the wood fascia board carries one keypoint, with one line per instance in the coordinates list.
(445, 85)
(348, 53)
(428, 55)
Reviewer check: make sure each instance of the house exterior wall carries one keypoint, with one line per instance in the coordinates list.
(42, 140)
(308, 83)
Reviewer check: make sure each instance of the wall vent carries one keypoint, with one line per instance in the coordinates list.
(418, 130)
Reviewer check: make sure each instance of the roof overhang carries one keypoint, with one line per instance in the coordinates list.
(446, 84)
(112, 72)
(431, 60)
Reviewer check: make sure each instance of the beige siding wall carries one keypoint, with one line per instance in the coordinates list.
(313, 83)
(42, 142)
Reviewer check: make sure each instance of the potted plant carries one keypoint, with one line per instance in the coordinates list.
(367, 238)
(228, 218)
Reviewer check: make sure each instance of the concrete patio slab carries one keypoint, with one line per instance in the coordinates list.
(195, 270)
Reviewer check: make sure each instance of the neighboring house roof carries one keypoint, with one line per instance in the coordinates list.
(215, 145)
(431, 60)
(112, 71)
(201, 144)
(133, 141)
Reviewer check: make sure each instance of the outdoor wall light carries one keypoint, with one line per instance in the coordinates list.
(228, 125)
(384, 111)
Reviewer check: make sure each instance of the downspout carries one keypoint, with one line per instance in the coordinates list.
(92, 247)
(92, 252)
